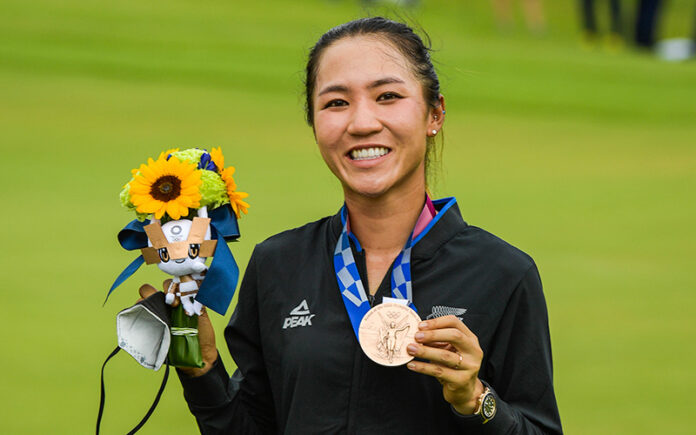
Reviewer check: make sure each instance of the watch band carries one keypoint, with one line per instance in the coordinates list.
(487, 406)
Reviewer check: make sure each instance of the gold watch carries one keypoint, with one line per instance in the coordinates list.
(487, 406)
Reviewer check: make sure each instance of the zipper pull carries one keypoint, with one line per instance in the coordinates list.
(371, 299)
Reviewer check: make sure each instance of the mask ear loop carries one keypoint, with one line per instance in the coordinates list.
(102, 399)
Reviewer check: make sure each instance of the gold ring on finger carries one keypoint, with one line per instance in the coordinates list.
(461, 358)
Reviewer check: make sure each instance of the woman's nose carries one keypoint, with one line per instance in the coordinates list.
(363, 121)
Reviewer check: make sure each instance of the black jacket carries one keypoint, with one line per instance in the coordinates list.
(301, 369)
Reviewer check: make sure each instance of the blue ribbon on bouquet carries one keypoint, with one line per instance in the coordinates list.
(221, 279)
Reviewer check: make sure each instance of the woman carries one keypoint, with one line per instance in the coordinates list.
(374, 104)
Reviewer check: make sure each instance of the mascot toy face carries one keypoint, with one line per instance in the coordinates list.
(182, 255)
(179, 247)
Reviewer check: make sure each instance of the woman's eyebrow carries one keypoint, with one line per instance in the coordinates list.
(385, 81)
(332, 88)
(375, 84)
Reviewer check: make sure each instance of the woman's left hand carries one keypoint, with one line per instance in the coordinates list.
(454, 357)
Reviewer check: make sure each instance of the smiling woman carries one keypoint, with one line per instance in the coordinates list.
(404, 50)
(370, 128)
(326, 333)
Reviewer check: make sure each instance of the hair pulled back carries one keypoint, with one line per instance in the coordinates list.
(401, 36)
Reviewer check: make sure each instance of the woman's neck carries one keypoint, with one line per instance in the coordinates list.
(383, 224)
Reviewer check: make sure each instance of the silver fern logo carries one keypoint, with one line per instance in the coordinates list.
(441, 310)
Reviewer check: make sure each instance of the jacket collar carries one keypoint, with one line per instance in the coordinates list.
(446, 224)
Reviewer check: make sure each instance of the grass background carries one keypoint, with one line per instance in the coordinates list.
(584, 159)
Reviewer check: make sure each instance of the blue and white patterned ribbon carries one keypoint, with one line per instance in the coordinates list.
(351, 286)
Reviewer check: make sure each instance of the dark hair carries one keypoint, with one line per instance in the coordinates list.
(402, 37)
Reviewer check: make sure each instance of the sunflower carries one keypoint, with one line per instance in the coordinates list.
(218, 158)
(236, 198)
(166, 186)
(166, 153)
(236, 202)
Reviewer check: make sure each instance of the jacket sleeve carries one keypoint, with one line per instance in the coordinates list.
(518, 367)
(243, 403)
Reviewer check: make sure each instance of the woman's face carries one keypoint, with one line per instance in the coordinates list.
(371, 120)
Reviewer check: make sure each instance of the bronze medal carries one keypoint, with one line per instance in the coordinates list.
(385, 331)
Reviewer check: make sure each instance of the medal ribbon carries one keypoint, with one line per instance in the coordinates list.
(351, 286)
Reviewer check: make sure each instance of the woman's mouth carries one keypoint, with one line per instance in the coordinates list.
(368, 153)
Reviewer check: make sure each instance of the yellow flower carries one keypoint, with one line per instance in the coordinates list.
(166, 186)
(217, 158)
(163, 155)
(166, 153)
(236, 202)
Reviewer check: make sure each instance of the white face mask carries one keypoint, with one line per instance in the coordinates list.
(143, 331)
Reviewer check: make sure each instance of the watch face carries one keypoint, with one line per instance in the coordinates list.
(488, 406)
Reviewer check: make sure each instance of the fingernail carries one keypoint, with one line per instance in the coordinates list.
(419, 335)
(412, 349)
(423, 325)
(411, 365)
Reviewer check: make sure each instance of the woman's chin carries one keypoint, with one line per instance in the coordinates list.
(385, 186)
(367, 190)
(371, 189)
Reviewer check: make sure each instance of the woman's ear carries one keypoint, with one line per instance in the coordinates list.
(436, 117)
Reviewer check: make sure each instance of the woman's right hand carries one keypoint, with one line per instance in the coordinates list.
(206, 334)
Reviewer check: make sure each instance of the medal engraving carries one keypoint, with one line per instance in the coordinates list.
(385, 331)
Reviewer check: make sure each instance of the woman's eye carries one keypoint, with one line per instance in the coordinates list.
(335, 103)
(388, 96)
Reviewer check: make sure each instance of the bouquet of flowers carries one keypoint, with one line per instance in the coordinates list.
(186, 205)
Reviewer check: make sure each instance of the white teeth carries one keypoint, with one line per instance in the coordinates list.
(368, 153)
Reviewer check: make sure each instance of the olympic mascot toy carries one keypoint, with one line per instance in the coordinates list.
(186, 205)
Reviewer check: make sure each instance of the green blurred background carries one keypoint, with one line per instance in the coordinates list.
(584, 159)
